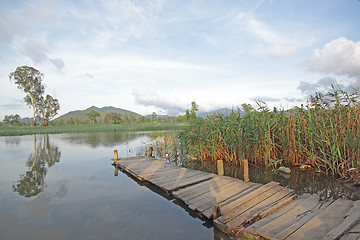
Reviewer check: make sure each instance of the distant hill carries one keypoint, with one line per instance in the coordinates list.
(82, 114)
(27, 120)
(224, 111)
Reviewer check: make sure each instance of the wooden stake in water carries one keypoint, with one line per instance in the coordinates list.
(116, 155)
(220, 167)
(116, 173)
(150, 151)
(246, 171)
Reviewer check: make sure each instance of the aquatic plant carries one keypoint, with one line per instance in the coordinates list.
(324, 134)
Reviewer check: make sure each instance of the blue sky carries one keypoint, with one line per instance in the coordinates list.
(159, 56)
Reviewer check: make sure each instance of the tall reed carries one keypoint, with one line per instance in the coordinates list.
(324, 134)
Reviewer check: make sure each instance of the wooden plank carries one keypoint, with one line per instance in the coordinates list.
(206, 205)
(208, 209)
(186, 191)
(220, 195)
(149, 173)
(301, 220)
(229, 205)
(270, 205)
(352, 234)
(287, 219)
(260, 211)
(352, 217)
(186, 182)
(324, 222)
(237, 215)
(213, 185)
(274, 215)
(167, 179)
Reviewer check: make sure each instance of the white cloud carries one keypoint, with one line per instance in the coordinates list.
(258, 28)
(171, 103)
(280, 51)
(340, 56)
(35, 50)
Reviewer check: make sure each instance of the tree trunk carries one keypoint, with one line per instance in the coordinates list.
(33, 107)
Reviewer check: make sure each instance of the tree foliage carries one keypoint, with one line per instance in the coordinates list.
(29, 80)
(47, 108)
(11, 120)
(93, 115)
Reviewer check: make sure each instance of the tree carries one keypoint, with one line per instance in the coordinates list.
(126, 118)
(11, 120)
(132, 118)
(29, 80)
(194, 108)
(47, 108)
(93, 115)
(153, 117)
(113, 118)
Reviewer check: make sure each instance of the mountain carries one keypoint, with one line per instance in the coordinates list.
(82, 114)
(224, 111)
(27, 120)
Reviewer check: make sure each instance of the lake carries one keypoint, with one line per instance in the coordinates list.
(63, 187)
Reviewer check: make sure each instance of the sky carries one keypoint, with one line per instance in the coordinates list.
(160, 55)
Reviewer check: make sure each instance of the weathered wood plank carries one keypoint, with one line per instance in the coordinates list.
(206, 206)
(237, 216)
(166, 178)
(270, 205)
(216, 180)
(186, 182)
(174, 173)
(229, 205)
(352, 234)
(287, 219)
(301, 220)
(220, 194)
(274, 215)
(323, 222)
(214, 185)
(352, 218)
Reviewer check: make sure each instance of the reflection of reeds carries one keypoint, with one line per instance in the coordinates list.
(324, 134)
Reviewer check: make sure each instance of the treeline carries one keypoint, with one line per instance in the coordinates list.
(324, 134)
(94, 118)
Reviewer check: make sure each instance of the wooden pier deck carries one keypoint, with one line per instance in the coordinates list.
(241, 208)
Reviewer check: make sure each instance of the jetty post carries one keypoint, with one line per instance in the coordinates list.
(220, 167)
(151, 149)
(246, 170)
(116, 155)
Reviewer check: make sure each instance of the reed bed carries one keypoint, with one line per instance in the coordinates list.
(324, 134)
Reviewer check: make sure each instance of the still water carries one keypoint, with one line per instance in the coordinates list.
(63, 187)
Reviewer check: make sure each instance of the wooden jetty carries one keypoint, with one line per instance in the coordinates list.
(242, 209)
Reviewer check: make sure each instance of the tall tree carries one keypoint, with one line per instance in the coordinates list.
(93, 115)
(194, 108)
(29, 80)
(47, 108)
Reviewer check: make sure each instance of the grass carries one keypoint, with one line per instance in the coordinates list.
(324, 134)
(26, 130)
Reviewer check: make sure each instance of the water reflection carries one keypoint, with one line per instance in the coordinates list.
(45, 155)
(103, 139)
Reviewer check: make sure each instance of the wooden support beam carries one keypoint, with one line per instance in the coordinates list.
(115, 155)
(246, 171)
(220, 167)
(151, 149)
